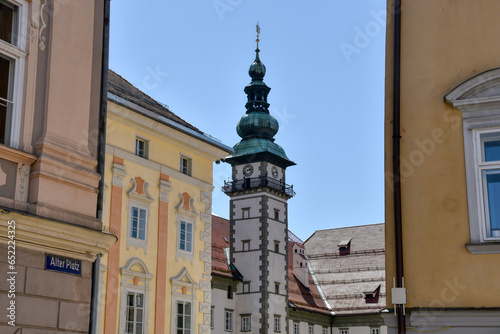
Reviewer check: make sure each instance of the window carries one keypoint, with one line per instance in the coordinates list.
(183, 317)
(135, 313)
(310, 329)
(185, 167)
(12, 58)
(276, 288)
(138, 223)
(186, 236)
(276, 214)
(325, 330)
(276, 246)
(245, 323)
(246, 287)
(245, 213)
(477, 99)
(212, 311)
(277, 323)
(488, 171)
(375, 330)
(229, 292)
(296, 329)
(344, 331)
(228, 320)
(142, 147)
(134, 298)
(246, 245)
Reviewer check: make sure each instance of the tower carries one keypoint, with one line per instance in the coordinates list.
(259, 213)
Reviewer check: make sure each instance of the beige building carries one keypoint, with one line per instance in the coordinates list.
(51, 66)
(443, 216)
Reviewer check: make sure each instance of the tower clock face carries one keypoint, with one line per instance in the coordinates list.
(274, 172)
(247, 170)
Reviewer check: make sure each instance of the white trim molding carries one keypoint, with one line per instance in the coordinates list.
(479, 101)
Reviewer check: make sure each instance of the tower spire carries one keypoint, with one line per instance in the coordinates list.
(257, 40)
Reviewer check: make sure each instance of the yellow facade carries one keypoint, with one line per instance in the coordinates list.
(169, 197)
(444, 43)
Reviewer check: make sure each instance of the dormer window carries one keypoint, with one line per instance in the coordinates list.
(345, 247)
(371, 297)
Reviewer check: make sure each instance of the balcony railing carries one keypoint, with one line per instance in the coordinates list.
(257, 182)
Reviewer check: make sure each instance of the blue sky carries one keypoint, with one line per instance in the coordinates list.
(325, 67)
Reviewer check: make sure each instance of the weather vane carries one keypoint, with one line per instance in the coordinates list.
(258, 33)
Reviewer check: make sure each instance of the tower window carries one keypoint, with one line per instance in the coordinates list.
(246, 245)
(229, 292)
(276, 288)
(276, 214)
(245, 213)
(276, 246)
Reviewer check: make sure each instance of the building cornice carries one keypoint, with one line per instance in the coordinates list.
(59, 238)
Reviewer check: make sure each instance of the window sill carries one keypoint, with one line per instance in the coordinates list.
(485, 248)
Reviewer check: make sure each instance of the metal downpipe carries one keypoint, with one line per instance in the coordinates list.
(396, 160)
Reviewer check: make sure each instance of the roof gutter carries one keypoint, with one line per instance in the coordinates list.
(396, 161)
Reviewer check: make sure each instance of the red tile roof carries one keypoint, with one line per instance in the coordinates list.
(220, 240)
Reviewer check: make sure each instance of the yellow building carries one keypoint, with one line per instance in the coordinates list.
(156, 278)
(445, 239)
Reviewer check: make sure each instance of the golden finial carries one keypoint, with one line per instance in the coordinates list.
(258, 33)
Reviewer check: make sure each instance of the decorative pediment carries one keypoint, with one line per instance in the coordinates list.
(183, 278)
(186, 205)
(139, 190)
(478, 94)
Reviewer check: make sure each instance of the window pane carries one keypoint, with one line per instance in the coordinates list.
(138, 329)
(493, 186)
(130, 299)
(142, 234)
(188, 308)
(7, 17)
(5, 103)
(130, 328)
(130, 314)
(492, 150)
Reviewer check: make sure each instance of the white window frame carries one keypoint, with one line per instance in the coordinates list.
(344, 331)
(246, 322)
(136, 309)
(16, 53)
(191, 315)
(182, 253)
(296, 328)
(374, 330)
(136, 242)
(228, 320)
(310, 329)
(479, 101)
(482, 168)
(277, 323)
(145, 154)
(186, 170)
(325, 330)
